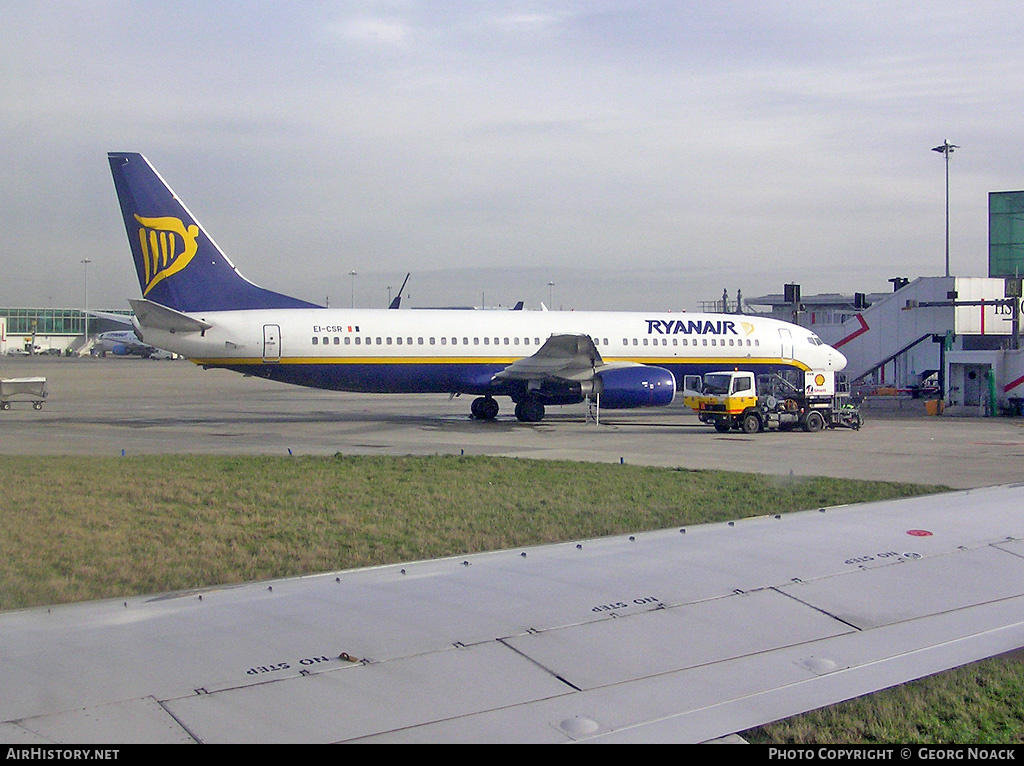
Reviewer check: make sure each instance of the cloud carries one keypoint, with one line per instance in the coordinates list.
(374, 31)
(709, 143)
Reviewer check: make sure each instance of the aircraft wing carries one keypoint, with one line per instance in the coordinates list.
(120, 319)
(679, 635)
(568, 357)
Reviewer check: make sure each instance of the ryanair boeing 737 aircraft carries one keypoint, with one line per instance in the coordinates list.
(196, 303)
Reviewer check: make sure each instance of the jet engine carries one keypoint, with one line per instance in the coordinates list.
(641, 386)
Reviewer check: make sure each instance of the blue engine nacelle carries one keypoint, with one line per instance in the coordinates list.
(642, 386)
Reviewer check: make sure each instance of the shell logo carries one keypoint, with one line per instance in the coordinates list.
(819, 379)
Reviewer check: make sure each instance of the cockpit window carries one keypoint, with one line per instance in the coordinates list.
(814, 340)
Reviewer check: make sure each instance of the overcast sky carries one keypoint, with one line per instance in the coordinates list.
(640, 155)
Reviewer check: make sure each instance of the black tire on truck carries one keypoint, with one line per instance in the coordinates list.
(814, 422)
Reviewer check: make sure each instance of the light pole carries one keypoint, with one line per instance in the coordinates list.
(352, 274)
(86, 262)
(551, 301)
(946, 149)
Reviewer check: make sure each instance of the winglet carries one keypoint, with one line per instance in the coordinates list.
(397, 302)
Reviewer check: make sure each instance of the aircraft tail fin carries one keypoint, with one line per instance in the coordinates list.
(179, 266)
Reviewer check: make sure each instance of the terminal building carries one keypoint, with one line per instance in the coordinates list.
(59, 331)
(949, 338)
(955, 339)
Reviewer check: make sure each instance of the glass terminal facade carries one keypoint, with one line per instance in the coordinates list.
(51, 321)
(1006, 234)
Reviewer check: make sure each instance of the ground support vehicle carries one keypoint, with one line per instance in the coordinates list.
(22, 389)
(741, 400)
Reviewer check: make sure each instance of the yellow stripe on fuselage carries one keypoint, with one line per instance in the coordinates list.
(723, 362)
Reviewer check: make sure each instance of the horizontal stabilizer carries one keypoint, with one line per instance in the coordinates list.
(154, 316)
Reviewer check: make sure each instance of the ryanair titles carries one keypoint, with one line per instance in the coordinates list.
(695, 327)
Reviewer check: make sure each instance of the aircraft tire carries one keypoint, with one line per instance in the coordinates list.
(530, 411)
(484, 408)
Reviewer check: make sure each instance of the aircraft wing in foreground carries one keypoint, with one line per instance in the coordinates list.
(678, 635)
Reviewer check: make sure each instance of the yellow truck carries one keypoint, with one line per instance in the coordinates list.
(745, 401)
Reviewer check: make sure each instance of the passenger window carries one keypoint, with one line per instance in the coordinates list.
(315, 341)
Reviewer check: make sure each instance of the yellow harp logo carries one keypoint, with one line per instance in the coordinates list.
(167, 247)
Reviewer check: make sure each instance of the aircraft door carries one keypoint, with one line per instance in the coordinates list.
(974, 380)
(271, 343)
(787, 343)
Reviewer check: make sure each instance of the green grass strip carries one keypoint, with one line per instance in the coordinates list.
(82, 528)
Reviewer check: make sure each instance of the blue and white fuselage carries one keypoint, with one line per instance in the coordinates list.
(195, 303)
(453, 351)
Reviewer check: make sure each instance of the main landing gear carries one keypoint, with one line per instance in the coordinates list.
(484, 408)
(528, 410)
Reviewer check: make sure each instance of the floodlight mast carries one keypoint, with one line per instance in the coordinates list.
(946, 149)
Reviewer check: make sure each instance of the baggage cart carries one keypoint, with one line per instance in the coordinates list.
(22, 390)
